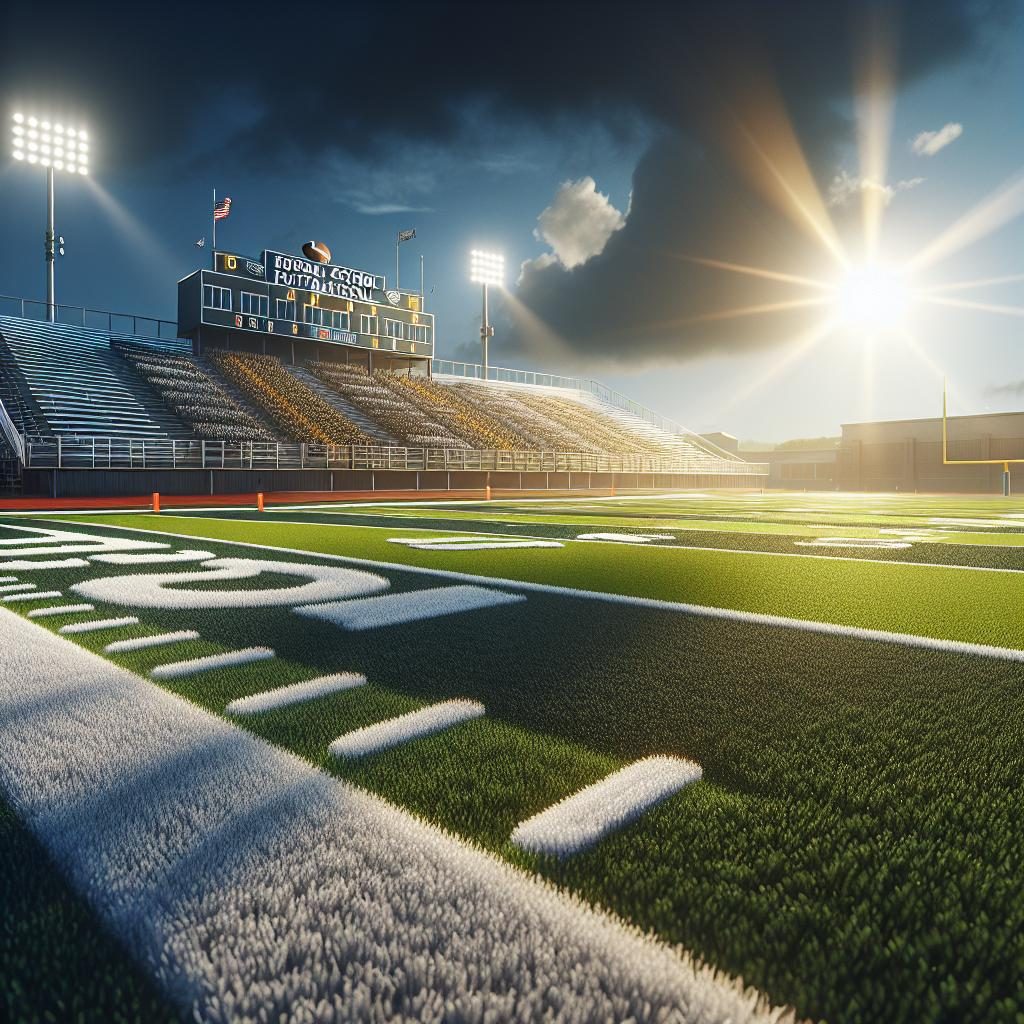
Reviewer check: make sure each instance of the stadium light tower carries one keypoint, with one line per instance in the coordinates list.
(56, 147)
(486, 269)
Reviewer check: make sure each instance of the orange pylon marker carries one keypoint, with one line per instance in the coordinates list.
(156, 502)
(613, 491)
(259, 501)
(487, 493)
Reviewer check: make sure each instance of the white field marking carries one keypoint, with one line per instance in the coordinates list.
(146, 558)
(435, 718)
(682, 608)
(60, 609)
(954, 521)
(863, 543)
(416, 541)
(141, 643)
(13, 588)
(255, 887)
(296, 693)
(626, 538)
(212, 662)
(8, 579)
(97, 624)
(410, 606)
(585, 817)
(153, 590)
(681, 545)
(43, 595)
(476, 544)
(57, 563)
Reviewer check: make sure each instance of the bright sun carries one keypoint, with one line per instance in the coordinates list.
(872, 297)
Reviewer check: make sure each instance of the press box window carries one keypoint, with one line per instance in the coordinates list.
(255, 305)
(284, 309)
(393, 328)
(367, 324)
(418, 332)
(323, 317)
(215, 297)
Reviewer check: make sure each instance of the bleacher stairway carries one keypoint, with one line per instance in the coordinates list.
(347, 409)
(70, 383)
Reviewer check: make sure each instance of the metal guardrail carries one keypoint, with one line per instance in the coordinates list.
(506, 375)
(93, 319)
(77, 452)
(9, 431)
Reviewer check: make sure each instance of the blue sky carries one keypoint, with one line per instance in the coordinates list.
(485, 181)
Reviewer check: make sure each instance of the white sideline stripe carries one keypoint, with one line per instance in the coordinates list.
(371, 739)
(585, 817)
(254, 887)
(11, 588)
(296, 693)
(155, 557)
(656, 604)
(140, 643)
(626, 538)
(96, 624)
(194, 666)
(480, 543)
(8, 579)
(60, 563)
(60, 609)
(411, 606)
(42, 595)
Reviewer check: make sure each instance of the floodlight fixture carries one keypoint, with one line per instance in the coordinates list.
(49, 144)
(488, 270)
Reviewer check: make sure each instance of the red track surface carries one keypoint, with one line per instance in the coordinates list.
(248, 500)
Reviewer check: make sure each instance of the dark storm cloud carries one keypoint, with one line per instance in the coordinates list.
(277, 87)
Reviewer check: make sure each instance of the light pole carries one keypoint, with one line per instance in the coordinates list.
(486, 269)
(57, 148)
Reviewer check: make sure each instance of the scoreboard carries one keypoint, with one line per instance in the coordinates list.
(292, 297)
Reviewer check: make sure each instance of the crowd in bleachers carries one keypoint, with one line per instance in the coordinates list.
(461, 417)
(193, 395)
(389, 407)
(295, 410)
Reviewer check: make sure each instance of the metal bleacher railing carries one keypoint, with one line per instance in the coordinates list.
(92, 319)
(78, 452)
(506, 375)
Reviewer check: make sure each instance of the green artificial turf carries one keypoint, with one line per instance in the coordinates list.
(946, 602)
(57, 962)
(855, 848)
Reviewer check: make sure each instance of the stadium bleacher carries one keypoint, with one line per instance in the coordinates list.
(193, 395)
(389, 406)
(294, 408)
(68, 382)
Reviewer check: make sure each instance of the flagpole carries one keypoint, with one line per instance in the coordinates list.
(422, 301)
(213, 253)
(398, 243)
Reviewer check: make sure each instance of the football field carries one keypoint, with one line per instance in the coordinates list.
(800, 718)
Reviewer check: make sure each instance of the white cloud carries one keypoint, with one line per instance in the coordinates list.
(929, 143)
(578, 223)
(846, 186)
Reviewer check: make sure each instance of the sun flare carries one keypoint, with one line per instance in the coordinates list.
(872, 297)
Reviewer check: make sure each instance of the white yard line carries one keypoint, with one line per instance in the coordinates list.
(212, 662)
(60, 609)
(409, 606)
(581, 820)
(141, 643)
(296, 693)
(97, 624)
(656, 604)
(254, 887)
(59, 563)
(13, 588)
(394, 732)
(42, 595)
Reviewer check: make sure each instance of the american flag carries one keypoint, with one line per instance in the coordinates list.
(222, 209)
(405, 236)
